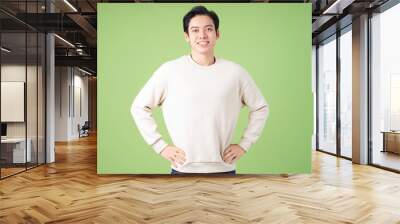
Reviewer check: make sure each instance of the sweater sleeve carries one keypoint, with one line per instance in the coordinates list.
(259, 110)
(149, 97)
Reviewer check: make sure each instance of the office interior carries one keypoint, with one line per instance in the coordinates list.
(48, 81)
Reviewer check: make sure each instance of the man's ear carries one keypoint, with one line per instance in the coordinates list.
(217, 34)
(186, 37)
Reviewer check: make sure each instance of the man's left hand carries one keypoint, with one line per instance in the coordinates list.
(233, 153)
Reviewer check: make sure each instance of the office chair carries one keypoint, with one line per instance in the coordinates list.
(84, 130)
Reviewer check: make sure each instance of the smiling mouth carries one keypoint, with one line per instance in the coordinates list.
(203, 43)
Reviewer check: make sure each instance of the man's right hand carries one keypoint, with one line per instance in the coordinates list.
(174, 154)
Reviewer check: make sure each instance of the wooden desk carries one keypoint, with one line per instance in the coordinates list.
(391, 141)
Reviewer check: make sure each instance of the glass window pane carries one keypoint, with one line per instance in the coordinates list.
(31, 101)
(41, 98)
(346, 94)
(386, 89)
(14, 153)
(31, 85)
(327, 96)
(23, 89)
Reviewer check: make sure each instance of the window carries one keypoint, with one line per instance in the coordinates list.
(346, 92)
(327, 95)
(385, 88)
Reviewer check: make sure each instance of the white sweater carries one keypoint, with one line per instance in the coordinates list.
(200, 106)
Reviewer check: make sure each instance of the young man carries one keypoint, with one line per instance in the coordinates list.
(201, 97)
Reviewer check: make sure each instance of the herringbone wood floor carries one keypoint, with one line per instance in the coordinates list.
(70, 191)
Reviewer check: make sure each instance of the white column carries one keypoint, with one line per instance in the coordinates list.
(50, 99)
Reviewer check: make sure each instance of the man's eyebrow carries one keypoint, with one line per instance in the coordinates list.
(204, 26)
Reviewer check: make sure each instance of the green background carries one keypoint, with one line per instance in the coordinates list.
(271, 41)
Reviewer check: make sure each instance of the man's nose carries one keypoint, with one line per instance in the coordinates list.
(203, 34)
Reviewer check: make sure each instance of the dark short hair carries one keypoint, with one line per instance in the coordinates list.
(199, 10)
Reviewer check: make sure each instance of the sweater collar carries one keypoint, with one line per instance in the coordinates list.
(202, 66)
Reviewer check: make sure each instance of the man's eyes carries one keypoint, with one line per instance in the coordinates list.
(197, 30)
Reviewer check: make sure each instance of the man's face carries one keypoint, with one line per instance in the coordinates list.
(202, 35)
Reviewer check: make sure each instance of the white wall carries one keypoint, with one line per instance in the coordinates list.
(79, 112)
(62, 81)
(71, 93)
(15, 72)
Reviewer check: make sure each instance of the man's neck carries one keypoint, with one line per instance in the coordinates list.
(203, 59)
